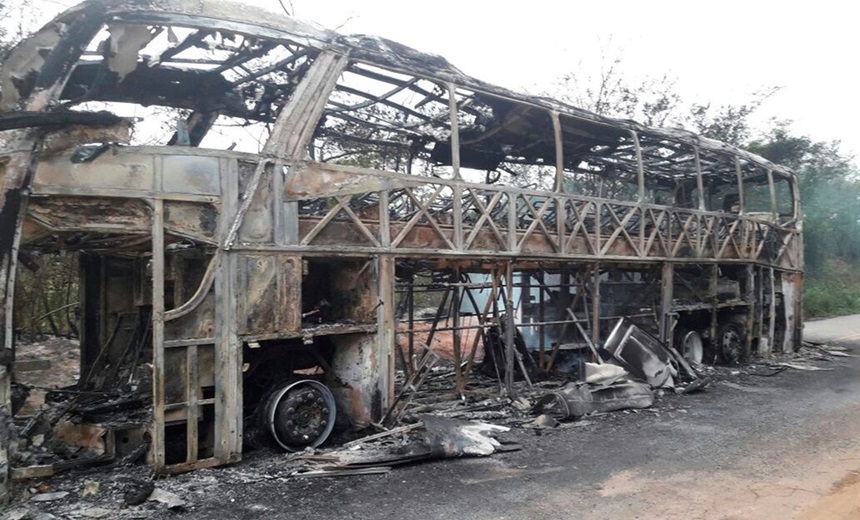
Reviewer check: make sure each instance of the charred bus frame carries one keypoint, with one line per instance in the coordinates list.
(208, 274)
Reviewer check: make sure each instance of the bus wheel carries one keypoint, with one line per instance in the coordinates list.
(300, 413)
(731, 343)
(691, 346)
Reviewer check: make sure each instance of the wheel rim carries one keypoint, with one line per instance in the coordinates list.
(692, 347)
(301, 414)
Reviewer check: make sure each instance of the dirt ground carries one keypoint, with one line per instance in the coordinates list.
(755, 445)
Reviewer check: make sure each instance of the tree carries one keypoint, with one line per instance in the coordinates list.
(829, 192)
(828, 179)
(655, 102)
(727, 123)
(815, 162)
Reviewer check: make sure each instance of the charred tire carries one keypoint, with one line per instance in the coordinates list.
(300, 414)
(731, 343)
(690, 345)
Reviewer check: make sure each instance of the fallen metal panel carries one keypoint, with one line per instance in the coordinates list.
(577, 400)
(641, 354)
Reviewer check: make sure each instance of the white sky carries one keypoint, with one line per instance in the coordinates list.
(719, 51)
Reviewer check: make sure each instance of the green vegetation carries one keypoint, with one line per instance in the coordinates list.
(834, 291)
(46, 295)
(830, 197)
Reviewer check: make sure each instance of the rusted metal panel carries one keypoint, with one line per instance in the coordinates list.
(195, 220)
(228, 363)
(258, 283)
(107, 171)
(765, 307)
(356, 379)
(386, 325)
(427, 239)
(196, 324)
(75, 213)
(257, 222)
(198, 175)
(667, 285)
(159, 395)
(271, 293)
(129, 172)
(623, 229)
(185, 376)
(792, 285)
(308, 181)
(92, 438)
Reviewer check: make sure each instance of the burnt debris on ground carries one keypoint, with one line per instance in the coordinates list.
(434, 422)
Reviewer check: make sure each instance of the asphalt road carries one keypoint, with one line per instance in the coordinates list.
(750, 447)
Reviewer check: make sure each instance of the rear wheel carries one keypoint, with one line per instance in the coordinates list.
(300, 414)
(731, 343)
(690, 345)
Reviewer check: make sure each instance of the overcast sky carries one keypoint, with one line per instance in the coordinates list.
(720, 52)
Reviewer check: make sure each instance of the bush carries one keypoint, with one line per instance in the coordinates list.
(834, 291)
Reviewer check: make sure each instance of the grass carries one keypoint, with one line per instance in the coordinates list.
(833, 291)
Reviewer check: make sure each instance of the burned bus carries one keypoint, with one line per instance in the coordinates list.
(261, 212)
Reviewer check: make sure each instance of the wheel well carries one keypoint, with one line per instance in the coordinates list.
(269, 363)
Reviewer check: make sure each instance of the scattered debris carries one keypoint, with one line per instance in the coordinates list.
(91, 488)
(171, 500)
(138, 492)
(410, 387)
(696, 385)
(94, 512)
(451, 438)
(577, 400)
(545, 421)
(382, 435)
(496, 354)
(641, 354)
(17, 514)
(431, 436)
(604, 374)
(47, 497)
(380, 470)
(799, 366)
(828, 350)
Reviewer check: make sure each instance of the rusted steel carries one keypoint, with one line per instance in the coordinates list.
(372, 165)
